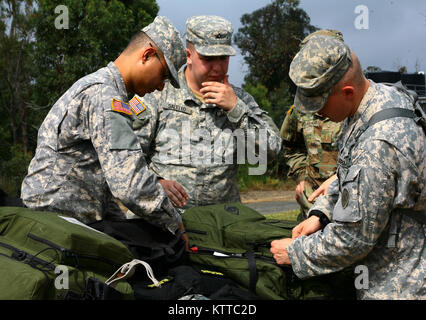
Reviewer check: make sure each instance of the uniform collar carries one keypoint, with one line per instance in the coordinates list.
(118, 79)
(188, 95)
(363, 113)
(363, 110)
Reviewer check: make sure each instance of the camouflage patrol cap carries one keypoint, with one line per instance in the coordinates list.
(210, 35)
(317, 67)
(170, 42)
(336, 34)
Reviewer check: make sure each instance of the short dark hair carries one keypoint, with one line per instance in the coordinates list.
(139, 40)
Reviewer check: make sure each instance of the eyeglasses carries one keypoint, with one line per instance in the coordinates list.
(166, 75)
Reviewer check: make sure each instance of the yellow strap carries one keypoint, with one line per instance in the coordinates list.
(212, 272)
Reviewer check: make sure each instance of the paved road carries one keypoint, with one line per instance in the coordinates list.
(271, 201)
(273, 206)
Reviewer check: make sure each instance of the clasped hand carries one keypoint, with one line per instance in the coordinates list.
(220, 94)
(305, 228)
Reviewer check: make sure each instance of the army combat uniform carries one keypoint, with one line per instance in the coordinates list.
(179, 111)
(87, 152)
(200, 145)
(310, 145)
(380, 186)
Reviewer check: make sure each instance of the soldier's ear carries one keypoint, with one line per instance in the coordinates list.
(145, 54)
(188, 56)
(348, 91)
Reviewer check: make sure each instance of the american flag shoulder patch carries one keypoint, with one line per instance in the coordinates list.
(136, 105)
(121, 106)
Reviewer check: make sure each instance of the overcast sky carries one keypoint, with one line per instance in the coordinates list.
(395, 34)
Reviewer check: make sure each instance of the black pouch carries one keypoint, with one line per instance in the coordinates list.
(190, 280)
(161, 249)
(94, 290)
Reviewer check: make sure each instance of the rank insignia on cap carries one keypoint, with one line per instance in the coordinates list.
(120, 106)
(136, 105)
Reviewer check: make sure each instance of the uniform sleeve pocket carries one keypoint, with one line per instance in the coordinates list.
(347, 208)
(121, 135)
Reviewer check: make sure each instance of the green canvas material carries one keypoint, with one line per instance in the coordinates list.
(234, 239)
(33, 244)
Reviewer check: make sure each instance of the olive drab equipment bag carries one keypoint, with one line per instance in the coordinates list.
(44, 255)
(234, 239)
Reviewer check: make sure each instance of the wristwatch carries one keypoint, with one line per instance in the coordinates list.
(322, 217)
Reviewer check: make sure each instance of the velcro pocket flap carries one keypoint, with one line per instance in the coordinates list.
(120, 133)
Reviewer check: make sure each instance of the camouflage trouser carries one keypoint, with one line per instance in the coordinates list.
(305, 205)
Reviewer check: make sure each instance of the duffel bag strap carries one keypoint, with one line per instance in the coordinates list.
(128, 269)
(253, 271)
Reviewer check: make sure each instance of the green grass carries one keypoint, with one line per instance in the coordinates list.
(248, 182)
(286, 215)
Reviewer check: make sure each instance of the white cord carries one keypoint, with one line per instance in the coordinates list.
(128, 269)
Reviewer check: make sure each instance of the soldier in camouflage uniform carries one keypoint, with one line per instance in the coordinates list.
(309, 141)
(374, 213)
(310, 151)
(174, 122)
(87, 152)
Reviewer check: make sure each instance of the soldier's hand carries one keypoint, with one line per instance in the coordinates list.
(175, 192)
(220, 94)
(279, 250)
(299, 189)
(306, 227)
(323, 188)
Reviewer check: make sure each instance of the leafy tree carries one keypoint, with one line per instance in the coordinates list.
(16, 67)
(98, 31)
(269, 40)
(402, 69)
(371, 69)
(39, 62)
(259, 92)
(263, 98)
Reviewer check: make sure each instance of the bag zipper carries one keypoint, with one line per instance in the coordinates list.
(66, 253)
(243, 255)
(225, 254)
(25, 257)
(196, 231)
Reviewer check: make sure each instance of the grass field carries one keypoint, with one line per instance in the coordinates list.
(286, 215)
(248, 182)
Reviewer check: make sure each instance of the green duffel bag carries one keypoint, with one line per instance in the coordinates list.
(35, 247)
(234, 225)
(25, 276)
(235, 240)
(259, 274)
(77, 244)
